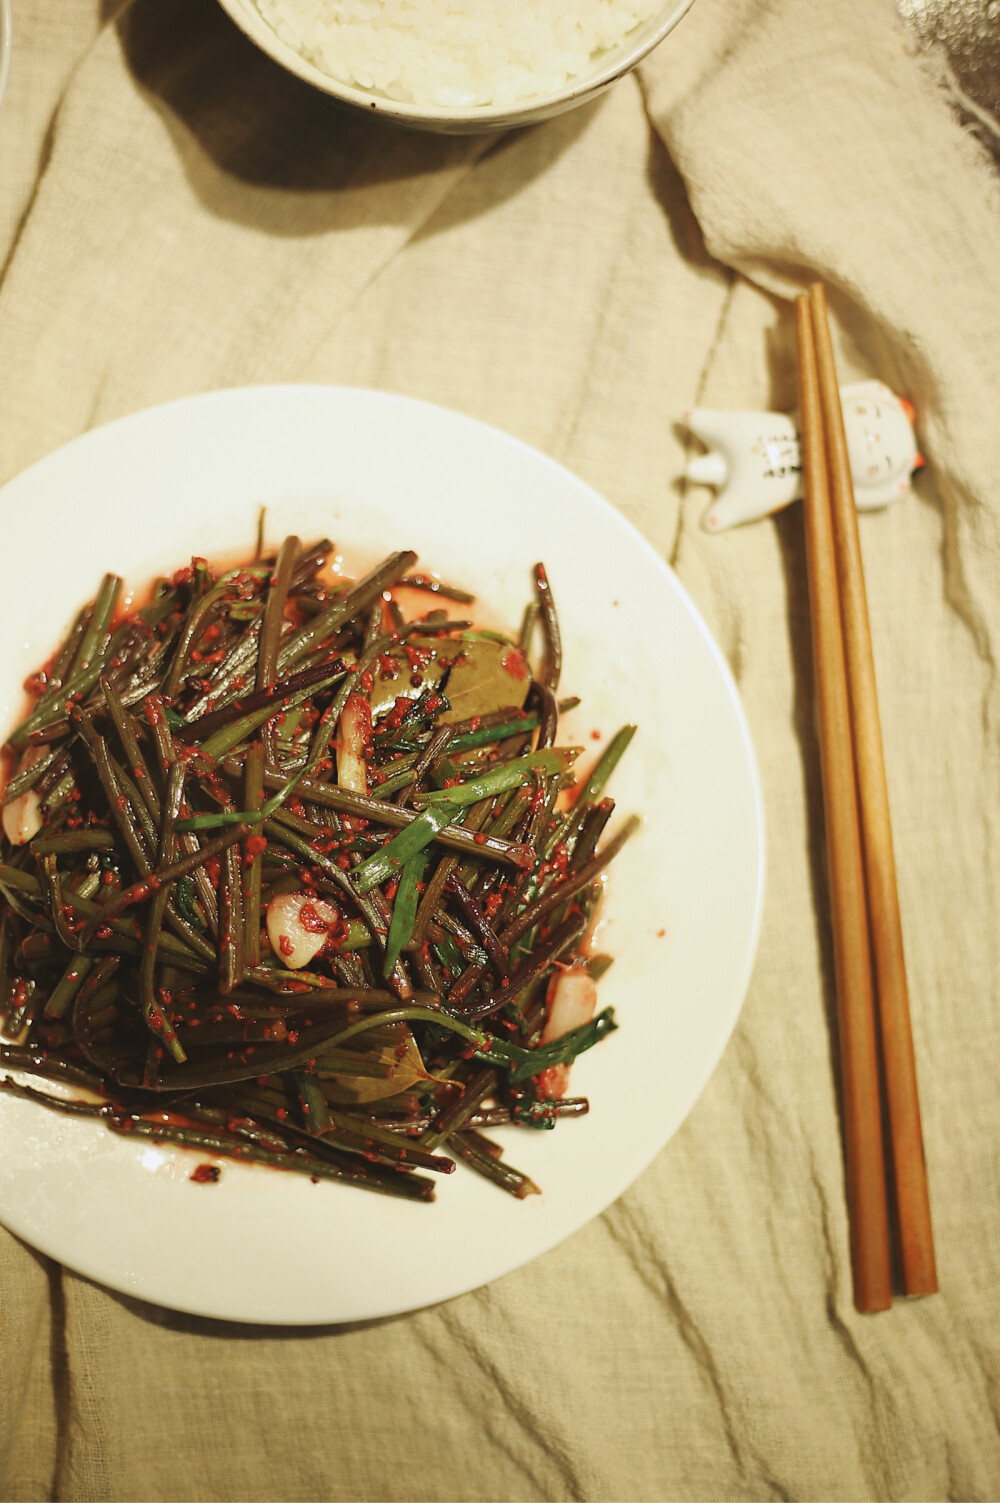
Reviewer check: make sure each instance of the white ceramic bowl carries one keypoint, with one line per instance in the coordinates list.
(604, 69)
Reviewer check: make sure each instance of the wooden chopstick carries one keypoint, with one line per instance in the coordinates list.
(912, 1201)
(859, 1081)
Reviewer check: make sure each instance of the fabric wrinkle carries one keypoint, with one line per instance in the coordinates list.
(651, 1266)
(523, 1439)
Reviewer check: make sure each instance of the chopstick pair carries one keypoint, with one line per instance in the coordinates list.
(863, 896)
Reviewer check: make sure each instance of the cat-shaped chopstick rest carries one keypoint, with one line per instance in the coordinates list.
(754, 461)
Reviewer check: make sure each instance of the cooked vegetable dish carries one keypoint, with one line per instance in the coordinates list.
(294, 872)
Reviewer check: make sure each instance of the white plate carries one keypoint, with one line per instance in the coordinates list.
(379, 472)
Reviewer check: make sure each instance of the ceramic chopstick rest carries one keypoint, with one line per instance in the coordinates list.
(754, 463)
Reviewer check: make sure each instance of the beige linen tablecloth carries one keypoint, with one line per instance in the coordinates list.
(177, 215)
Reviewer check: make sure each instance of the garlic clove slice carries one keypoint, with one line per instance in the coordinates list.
(298, 926)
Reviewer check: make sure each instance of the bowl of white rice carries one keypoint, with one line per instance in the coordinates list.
(458, 66)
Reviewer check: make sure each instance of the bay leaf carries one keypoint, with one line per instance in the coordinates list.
(394, 672)
(489, 675)
(397, 1047)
